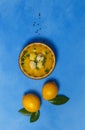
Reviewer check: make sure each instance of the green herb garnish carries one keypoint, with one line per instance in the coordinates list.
(47, 70)
(35, 61)
(25, 52)
(37, 68)
(22, 59)
(28, 55)
(46, 52)
(43, 63)
(22, 63)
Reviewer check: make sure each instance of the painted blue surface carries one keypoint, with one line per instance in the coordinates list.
(63, 24)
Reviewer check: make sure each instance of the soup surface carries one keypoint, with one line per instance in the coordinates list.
(37, 60)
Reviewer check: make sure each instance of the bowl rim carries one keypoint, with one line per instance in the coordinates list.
(39, 77)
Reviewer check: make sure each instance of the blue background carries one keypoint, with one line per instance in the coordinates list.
(62, 25)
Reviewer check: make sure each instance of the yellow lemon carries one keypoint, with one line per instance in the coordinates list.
(31, 102)
(49, 90)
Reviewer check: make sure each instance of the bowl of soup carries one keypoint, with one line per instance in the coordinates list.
(37, 60)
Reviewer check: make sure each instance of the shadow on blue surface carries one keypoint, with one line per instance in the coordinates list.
(34, 92)
(43, 40)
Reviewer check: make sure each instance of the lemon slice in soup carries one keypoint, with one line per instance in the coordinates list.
(37, 60)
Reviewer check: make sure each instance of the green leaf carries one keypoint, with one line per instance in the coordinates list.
(25, 112)
(34, 116)
(59, 100)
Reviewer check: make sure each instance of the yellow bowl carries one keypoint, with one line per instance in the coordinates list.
(37, 60)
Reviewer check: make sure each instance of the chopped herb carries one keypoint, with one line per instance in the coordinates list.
(43, 63)
(25, 52)
(28, 55)
(47, 70)
(22, 63)
(46, 52)
(37, 68)
(35, 61)
(22, 59)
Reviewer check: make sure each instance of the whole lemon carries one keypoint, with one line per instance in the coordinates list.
(49, 90)
(31, 102)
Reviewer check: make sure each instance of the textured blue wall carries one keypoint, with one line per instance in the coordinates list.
(62, 24)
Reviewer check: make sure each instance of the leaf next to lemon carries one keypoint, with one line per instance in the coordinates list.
(31, 102)
(59, 100)
(25, 112)
(34, 116)
(49, 90)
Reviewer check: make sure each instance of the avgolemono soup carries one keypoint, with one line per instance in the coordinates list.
(37, 60)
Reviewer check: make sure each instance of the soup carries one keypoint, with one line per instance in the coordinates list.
(37, 60)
